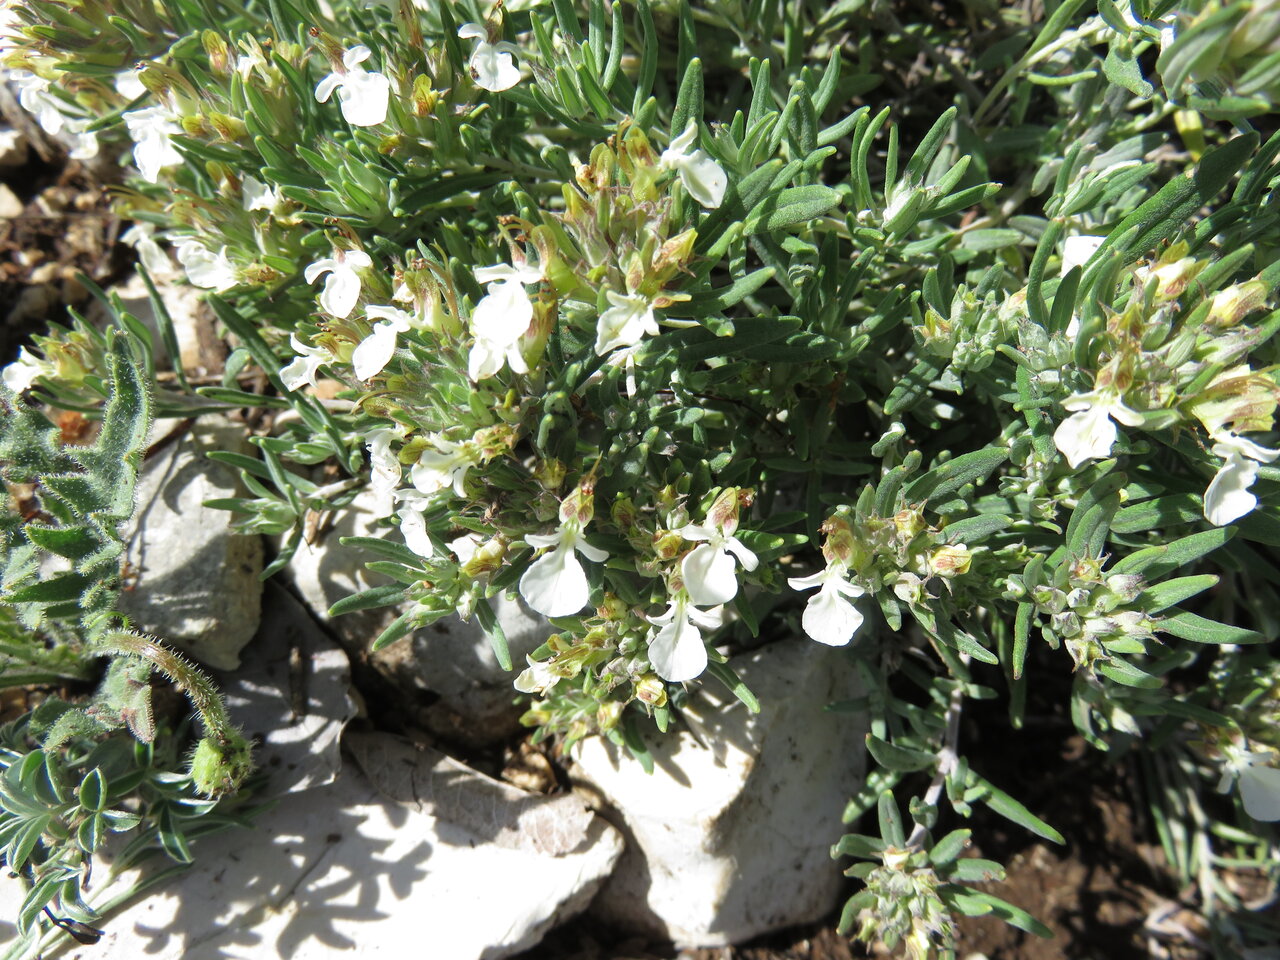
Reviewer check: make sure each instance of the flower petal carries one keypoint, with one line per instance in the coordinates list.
(709, 576)
(364, 98)
(1260, 791)
(492, 69)
(325, 88)
(375, 351)
(591, 553)
(1087, 435)
(340, 293)
(677, 652)
(413, 527)
(504, 315)
(704, 179)
(555, 585)
(1228, 497)
(315, 271)
(748, 559)
(829, 618)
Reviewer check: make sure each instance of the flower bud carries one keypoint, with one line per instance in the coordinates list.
(423, 100)
(1236, 302)
(909, 523)
(951, 561)
(608, 715)
(651, 690)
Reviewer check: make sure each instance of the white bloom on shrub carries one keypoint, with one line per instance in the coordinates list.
(708, 570)
(625, 323)
(677, 651)
(375, 351)
(703, 178)
(141, 236)
(1256, 779)
(555, 584)
(413, 523)
(342, 288)
(21, 374)
(363, 96)
(1090, 433)
(34, 95)
(256, 195)
(305, 366)
(500, 319)
(444, 466)
(384, 478)
(538, 677)
(492, 67)
(84, 141)
(206, 269)
(1228, 497)
(37, 99)
(151, 129)
(1076, 251)
(830, 617)
(129, 84)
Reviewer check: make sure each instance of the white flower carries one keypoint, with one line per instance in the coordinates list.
(413, 523)
(1228, 497)
(500, 319)
(623, 325)
(212, 271)
(305, 366)
(537, 677)
(256, 195)
(1090, 433)
(34, 95)
(1076, 252)
(141, 236)
(1258, 781)
(129, 84)
(555, 584)
(84, 142)
(21, 374)
(445, 466)
(150, 128)
(363, 96)
(702, 177)
(384, 475)
(491, 65)
(829, 617)
(677, 651)
(708, 570)
(342, 288)
(375, 351)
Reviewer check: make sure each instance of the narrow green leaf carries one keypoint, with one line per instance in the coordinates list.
(1190, 626)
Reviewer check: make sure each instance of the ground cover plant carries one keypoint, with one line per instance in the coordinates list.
(657, 316)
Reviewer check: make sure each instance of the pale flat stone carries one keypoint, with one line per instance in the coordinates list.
(13, 148)
(730, 837)
(342, 871)
(291, 696)
(10, 205)
(449, 658)
(192, 581)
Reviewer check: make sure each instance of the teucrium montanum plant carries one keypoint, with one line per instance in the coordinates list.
(651, 315)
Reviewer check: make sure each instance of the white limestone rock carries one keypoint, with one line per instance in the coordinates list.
(191, 580)
(340, 870)
(730, 837)
(450, 659)
(291, 696)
